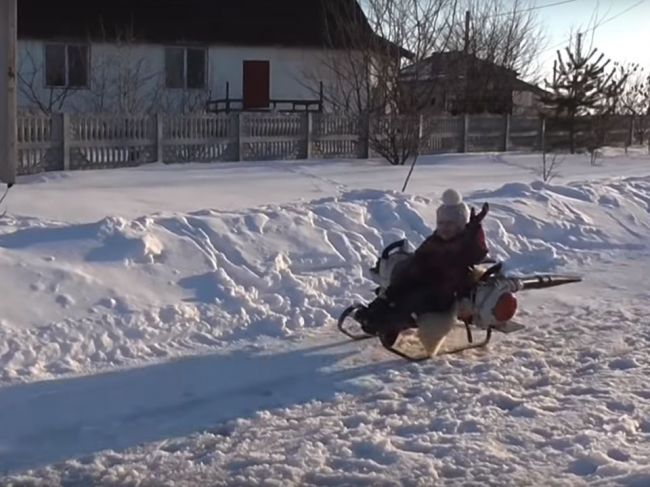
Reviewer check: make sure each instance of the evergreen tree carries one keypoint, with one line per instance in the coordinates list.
(582, 85)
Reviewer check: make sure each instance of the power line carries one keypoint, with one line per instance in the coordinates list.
(538, 7)
(597, 26)
(617, 15)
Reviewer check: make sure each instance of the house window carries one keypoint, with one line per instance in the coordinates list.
(66, 65)
(451, 102)
(185, 68)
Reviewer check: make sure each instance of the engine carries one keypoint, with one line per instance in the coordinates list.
(392, 257)
(493, 302)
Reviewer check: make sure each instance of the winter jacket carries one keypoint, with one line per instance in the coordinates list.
(440, 270)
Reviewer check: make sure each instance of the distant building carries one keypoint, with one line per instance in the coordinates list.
(455, 82)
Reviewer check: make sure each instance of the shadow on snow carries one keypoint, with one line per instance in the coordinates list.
(48, 422)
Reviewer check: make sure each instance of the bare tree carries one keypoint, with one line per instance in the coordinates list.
(122, 79)
(612, 88)
(635, 100)
(550, 165)
(502, 40)
(46, 99)
(384, 63)
(123, 84)
(183, 101)
(362, 68)
(506, 33)
(609, 105)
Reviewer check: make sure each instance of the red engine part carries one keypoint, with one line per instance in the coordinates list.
(505, 308)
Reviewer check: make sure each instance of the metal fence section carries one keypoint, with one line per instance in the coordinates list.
(92, 141)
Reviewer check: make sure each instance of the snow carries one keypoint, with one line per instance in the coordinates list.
(132, 193)
(174, 325)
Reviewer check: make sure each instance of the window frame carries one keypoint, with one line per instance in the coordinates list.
(185, 78)
(66, 45)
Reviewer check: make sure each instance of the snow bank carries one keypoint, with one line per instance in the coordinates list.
(119, 292)
(541, 226)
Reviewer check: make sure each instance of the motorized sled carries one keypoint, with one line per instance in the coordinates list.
(490, 306)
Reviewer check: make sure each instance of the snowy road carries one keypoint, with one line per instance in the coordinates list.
(47, 422)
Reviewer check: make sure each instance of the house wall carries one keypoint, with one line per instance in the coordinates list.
(295, 73)
(522, 98)
(526, 103)
(130, 77)
(116, 73)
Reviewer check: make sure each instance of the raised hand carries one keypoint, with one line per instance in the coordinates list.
(474, 219)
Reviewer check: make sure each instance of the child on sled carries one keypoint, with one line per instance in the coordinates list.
(427, 287)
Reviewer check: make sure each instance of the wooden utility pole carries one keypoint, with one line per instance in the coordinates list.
(466, 62)
(468, 17)
(8, 13)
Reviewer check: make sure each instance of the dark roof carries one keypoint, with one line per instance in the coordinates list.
(452, 63)
(291, 23)
(521, 85)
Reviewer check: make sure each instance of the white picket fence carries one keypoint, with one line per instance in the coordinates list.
(89, 141)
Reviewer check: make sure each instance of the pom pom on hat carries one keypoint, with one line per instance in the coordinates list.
(451, 197)
(453, 208)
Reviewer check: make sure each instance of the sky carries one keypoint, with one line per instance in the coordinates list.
(623, 36)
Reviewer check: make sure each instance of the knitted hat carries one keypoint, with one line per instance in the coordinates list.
(453, 209)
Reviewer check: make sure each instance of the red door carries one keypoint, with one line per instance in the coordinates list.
(257, 84)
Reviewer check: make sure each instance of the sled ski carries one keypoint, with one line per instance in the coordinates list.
(471, 344)
(509, 327)
(354, 336)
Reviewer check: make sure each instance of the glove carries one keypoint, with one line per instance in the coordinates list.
(475, 220)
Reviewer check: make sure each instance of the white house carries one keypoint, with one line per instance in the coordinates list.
(177, 55)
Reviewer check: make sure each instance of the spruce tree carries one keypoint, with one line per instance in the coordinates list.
(581, 85)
